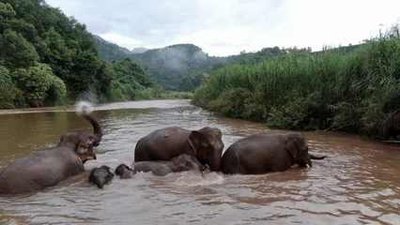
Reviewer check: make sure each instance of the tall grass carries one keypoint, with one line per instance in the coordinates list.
(335, 89)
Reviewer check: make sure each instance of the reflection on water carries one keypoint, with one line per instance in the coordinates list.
(357, 184)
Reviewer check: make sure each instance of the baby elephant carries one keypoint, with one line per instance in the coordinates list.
(180, 163)
(101, 176)
(124, 171)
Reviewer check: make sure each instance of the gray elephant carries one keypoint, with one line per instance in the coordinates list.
(180, 163)
(164, 144)
(48, 167)
(263, 153)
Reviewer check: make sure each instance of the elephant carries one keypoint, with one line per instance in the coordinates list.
(164, 144)
(391, 126)
(263, 153)
(101, 176)
(180, 163)
(47, 167)
(124, 171)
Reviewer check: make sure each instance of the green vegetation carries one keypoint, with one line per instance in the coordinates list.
(130, 79)
(335, 89)
(47, 58)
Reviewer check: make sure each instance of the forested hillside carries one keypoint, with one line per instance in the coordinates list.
(109, 51)
(47, 58)
(170, 65)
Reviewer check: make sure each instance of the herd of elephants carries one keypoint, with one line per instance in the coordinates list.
(171, 149)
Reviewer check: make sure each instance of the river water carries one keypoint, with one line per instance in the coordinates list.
(359, 182)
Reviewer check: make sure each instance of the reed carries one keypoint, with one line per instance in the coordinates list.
(347, 89)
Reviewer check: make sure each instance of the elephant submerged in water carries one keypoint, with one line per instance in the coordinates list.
(164, 144)
(180, 163)
(101, 176)
(48, 167)
(263, 153)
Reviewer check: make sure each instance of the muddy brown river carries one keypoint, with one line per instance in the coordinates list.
(359, 182)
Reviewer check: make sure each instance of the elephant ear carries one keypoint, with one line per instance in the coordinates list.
(198, 141)
(69, 140)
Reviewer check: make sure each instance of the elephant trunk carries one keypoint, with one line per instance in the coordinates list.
(96, 129)
(215, 166)
(215, 163)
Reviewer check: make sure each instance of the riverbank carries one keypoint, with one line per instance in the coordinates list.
(351, 90)
(139, 104)
(145, 94)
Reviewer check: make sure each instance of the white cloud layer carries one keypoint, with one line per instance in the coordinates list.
(224, 27)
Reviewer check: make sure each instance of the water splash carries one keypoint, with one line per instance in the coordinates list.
(84, 108)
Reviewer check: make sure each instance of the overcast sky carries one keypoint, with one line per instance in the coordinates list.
(225, 27)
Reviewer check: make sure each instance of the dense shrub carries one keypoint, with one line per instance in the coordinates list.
(37, 83)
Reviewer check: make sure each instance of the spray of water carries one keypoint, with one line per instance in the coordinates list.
(84, 108)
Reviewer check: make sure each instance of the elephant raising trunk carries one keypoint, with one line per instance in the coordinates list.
(97, 131)
(48, 167)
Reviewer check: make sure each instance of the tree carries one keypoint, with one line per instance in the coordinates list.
(129, 79)
(6, 11)
(16, 50)
(7, 89)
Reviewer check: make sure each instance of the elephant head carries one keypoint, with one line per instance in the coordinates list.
(101, 176)
(297, 148)
(83, 142)
(207, 145)
(124, 171)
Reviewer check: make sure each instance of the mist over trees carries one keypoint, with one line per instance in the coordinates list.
(47, 58)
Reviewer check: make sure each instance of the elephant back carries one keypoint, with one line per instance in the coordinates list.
(163, 144)
(230, 161)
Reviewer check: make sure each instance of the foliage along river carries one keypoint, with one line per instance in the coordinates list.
(358, 183)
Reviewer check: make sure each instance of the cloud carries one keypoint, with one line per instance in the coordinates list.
(121, 40)
(227, 27)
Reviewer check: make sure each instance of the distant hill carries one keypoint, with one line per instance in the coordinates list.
(181, 67)
(170, 65)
